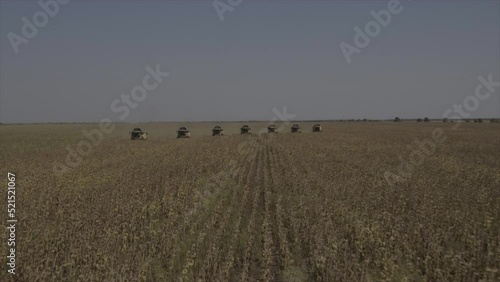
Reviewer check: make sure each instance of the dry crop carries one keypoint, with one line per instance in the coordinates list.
(301, 207)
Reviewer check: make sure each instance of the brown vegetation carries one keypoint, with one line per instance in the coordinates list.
(308, 207)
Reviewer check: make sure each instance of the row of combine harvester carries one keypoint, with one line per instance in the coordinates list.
(183, 132)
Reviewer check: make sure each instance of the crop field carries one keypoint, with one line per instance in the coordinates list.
(269, 207)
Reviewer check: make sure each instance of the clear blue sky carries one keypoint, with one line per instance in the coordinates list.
(265, 54)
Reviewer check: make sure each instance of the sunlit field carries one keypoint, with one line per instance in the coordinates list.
(260, 207)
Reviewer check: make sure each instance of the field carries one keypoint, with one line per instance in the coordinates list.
(281, 207)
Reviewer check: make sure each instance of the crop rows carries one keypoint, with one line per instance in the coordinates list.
(299, 207)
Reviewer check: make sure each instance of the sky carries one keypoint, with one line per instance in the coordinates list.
(262, 55)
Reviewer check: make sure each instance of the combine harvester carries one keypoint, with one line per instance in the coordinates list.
(217, 131)
(183, 132)
(317, 128)
(295, 128)
(245, 129)
(138, 134)
(272, 129)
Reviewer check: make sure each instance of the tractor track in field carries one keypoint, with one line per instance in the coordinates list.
(269, 250)
(199, 226)
(281, 218)
(216, 233)
(218, 265)
(230, 264)
(285, 261)
(248, 254)
(296, 226)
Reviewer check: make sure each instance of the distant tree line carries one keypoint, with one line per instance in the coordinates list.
(476, 120)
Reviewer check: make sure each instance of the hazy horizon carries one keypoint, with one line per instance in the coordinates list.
(264, 55)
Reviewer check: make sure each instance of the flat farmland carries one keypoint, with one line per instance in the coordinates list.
(346, 204)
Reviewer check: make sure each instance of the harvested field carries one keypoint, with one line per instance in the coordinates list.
(278, 207)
